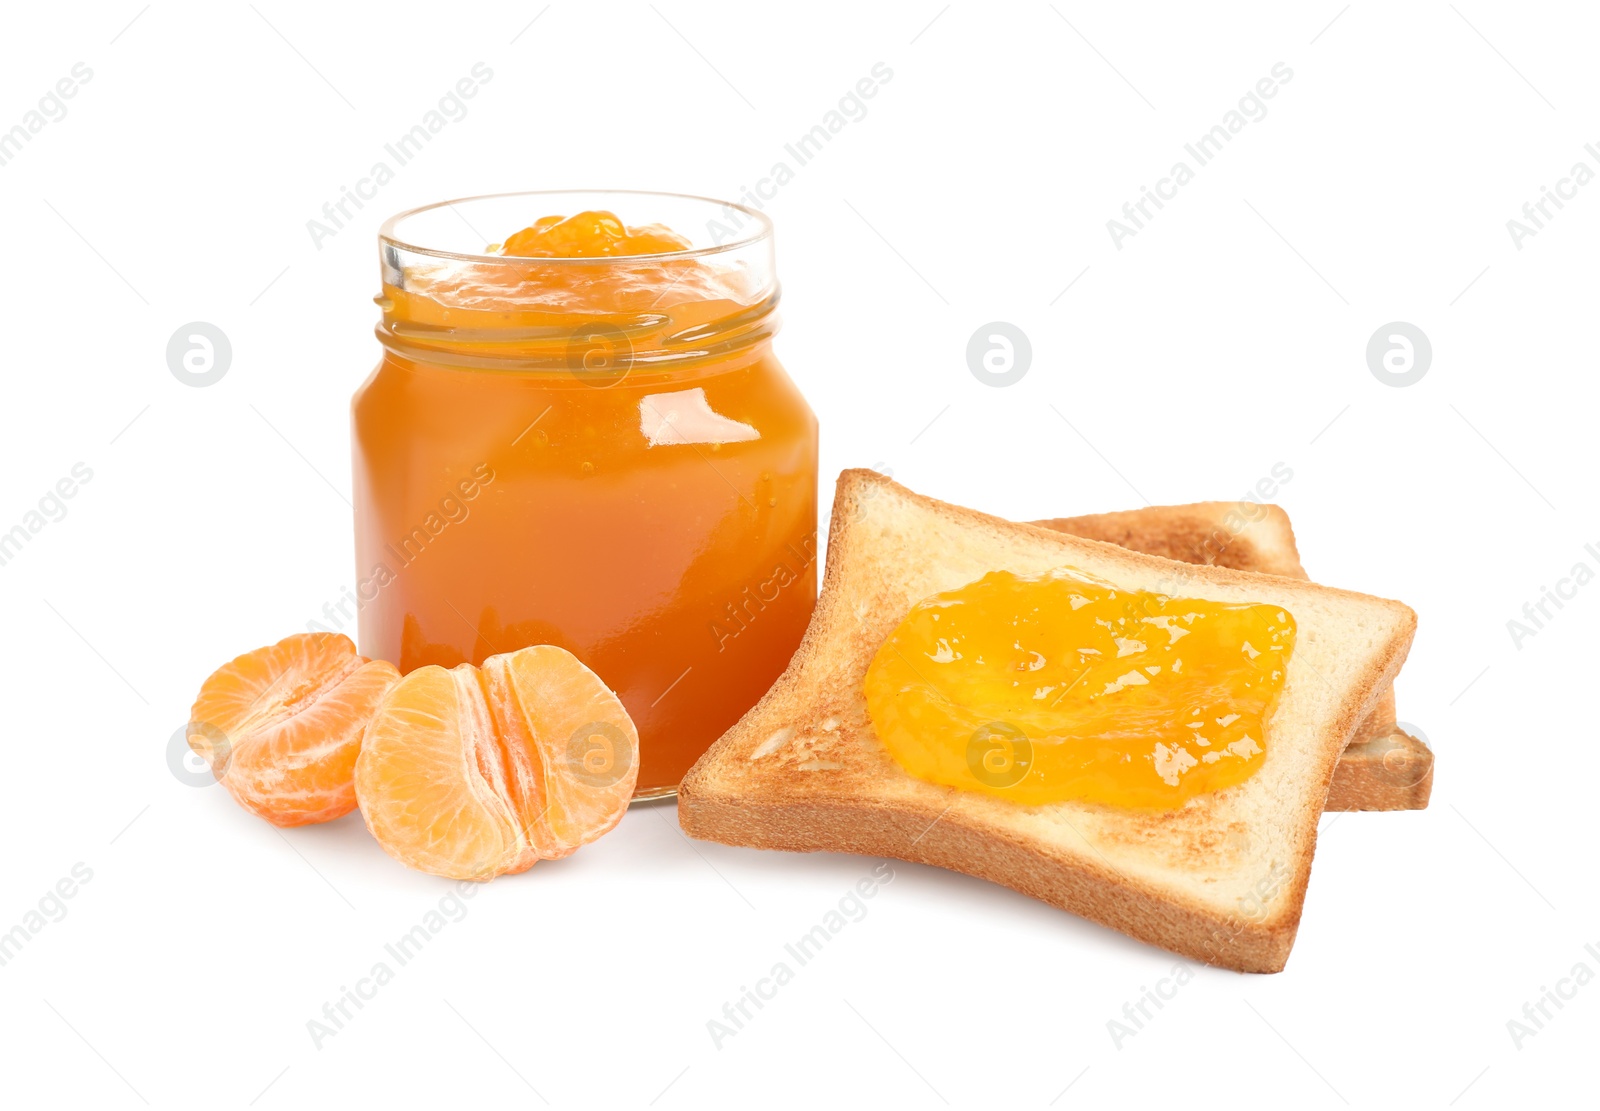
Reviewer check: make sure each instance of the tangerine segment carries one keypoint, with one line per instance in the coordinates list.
(280, 727)
(473, 773)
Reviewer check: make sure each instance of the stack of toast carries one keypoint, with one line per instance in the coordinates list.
(1220, 879)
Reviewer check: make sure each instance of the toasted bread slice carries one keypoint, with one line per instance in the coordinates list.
(1384, 768)
(1246, 536)
(1391, 771)
(1221, 880)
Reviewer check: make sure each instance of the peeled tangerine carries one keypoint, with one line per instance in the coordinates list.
(473, 773)
(280, 727)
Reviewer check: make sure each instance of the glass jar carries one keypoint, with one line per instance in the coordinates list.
(598, 453)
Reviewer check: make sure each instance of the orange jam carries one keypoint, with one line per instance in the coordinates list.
(1058, 687)
(581, 437)
(588, 235)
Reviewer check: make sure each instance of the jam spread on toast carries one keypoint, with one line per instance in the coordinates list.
(1059, 687)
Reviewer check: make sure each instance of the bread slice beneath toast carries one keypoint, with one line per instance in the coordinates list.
(1221, 880)
(1384, 767)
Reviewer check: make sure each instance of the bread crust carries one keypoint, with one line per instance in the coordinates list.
(1247, 536)
(802, 770)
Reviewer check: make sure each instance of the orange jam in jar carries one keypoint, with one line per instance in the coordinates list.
(579, 435)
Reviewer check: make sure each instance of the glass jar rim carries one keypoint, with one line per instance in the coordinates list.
(762, 230)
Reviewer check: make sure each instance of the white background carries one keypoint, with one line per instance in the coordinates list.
(1226, 336)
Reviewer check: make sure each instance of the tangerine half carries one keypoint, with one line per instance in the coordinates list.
(473, 773)
(280, 727)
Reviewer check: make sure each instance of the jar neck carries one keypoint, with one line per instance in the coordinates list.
(588, 315)
(535, 337)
